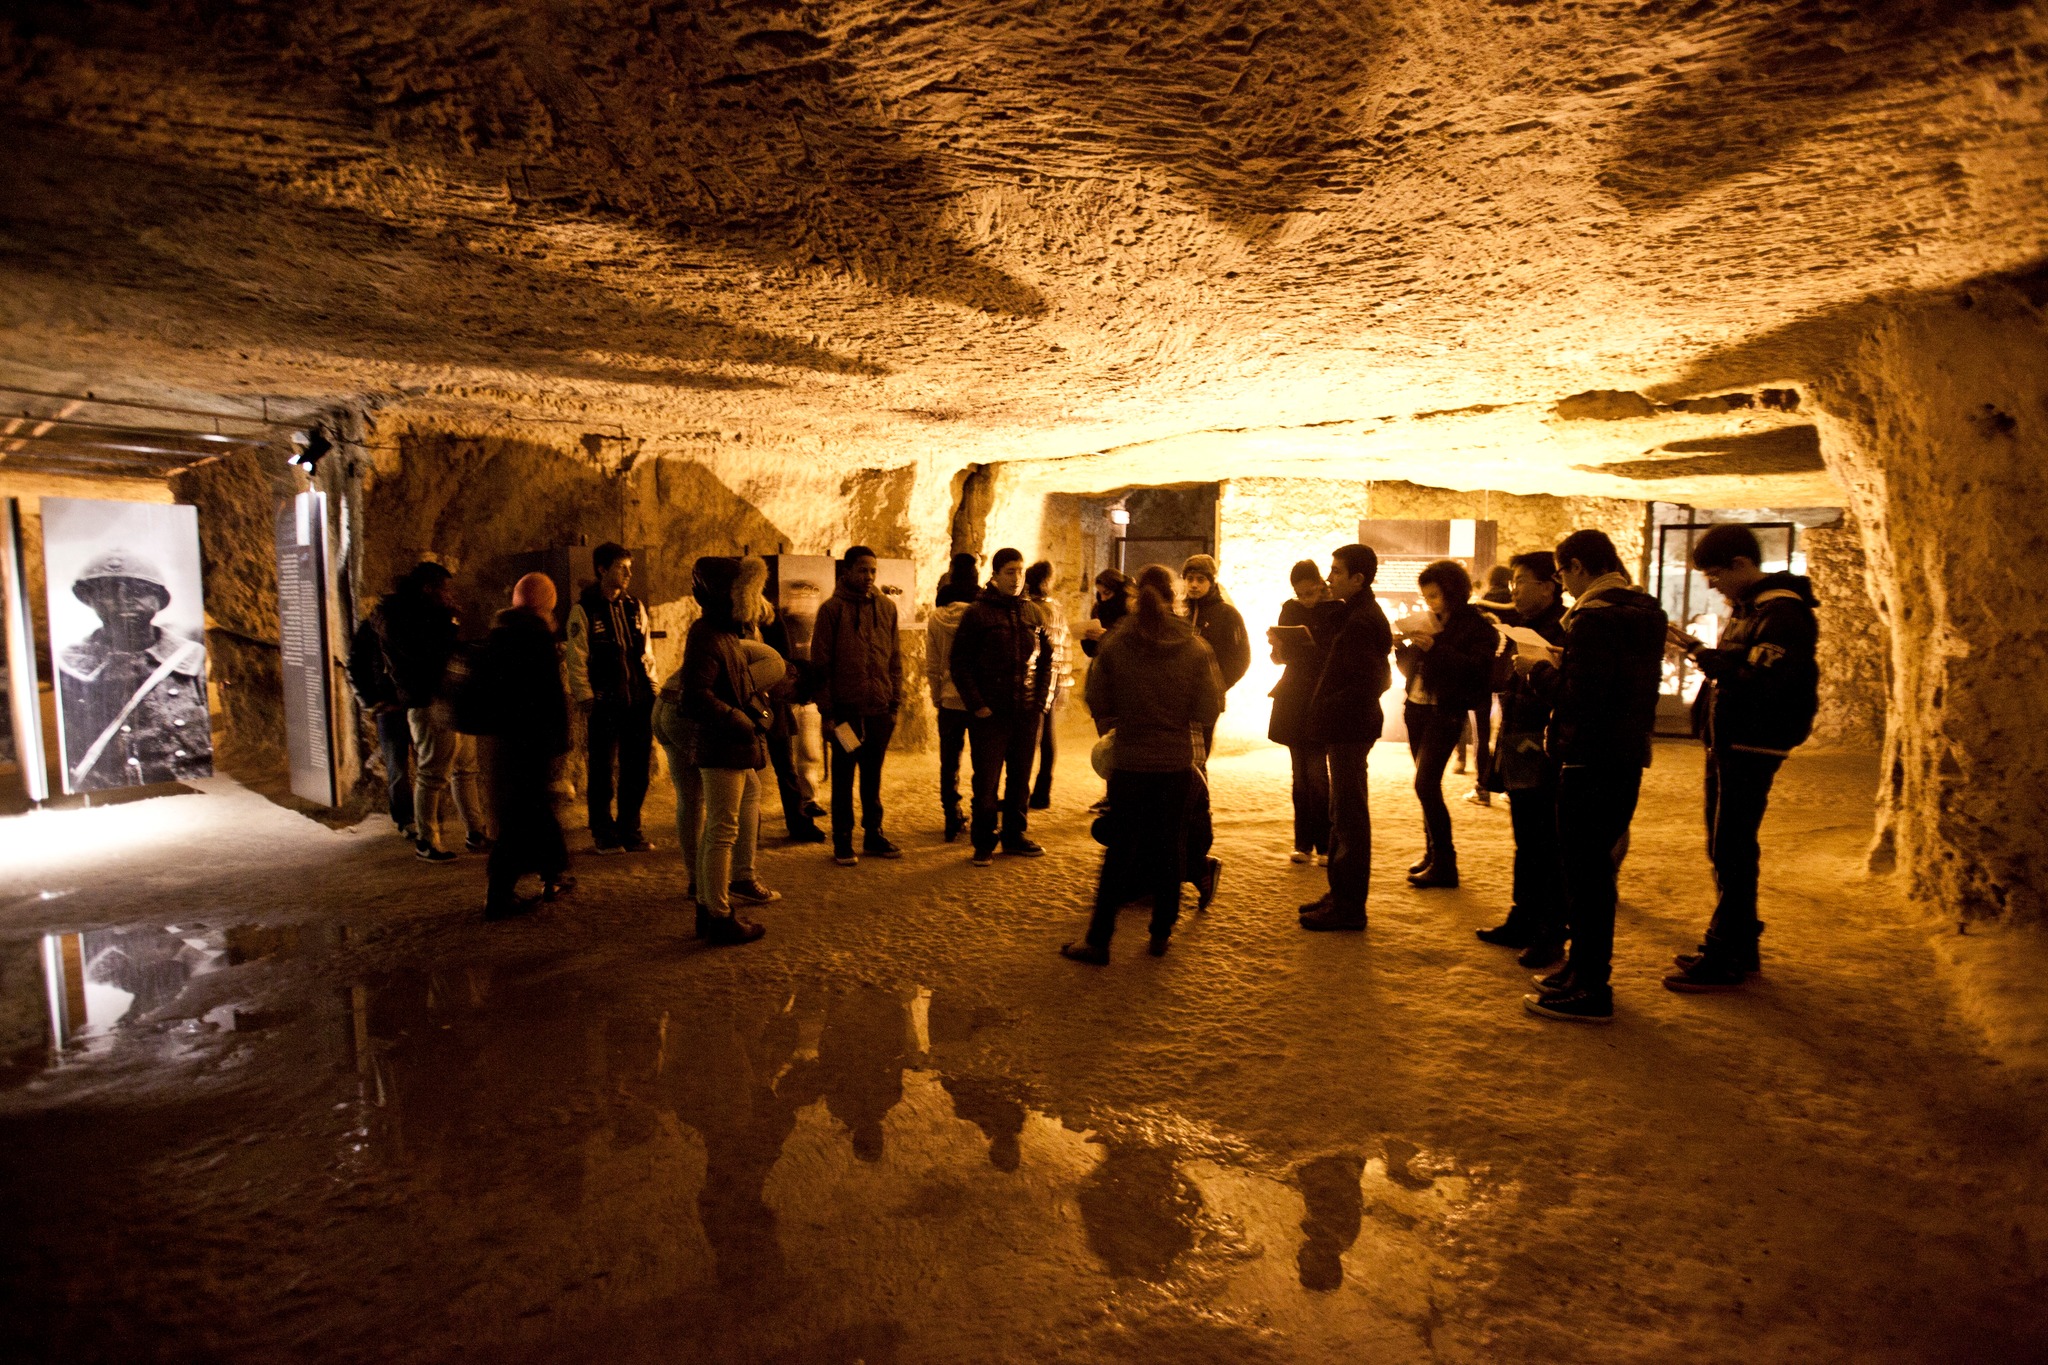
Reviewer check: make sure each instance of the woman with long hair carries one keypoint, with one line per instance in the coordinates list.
(1154, 685)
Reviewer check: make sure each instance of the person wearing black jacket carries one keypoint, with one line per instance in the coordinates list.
(1448, 671)
(1344, 715)
(1294, 645)
(1602, 691)
(1112, 604)
(1758, 704)
(1001, 664)
(369, 677)
(1535, 921)
(524, 715)
(1220, 625)
(610, 657)
(421, 635)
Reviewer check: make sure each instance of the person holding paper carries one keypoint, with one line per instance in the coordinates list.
(1447, 660)
(1535, 921)
(1344, 715)
(1602, 692)
(1295, 644)
(858, 669)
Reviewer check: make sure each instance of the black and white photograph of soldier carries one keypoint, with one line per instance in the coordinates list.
(126, 633)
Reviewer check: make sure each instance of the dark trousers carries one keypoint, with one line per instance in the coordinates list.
(782, 755)
(1433, 732)
(1538, 898)
(1041, 780)
(873, 732)
(1482, 733)
(1738, 791)
(394, 741)
(1146, 830)
(620, 732)
(1594, 807)
(1350, 828)
(529, 834)
(1001, 747)
(1311, 797)
(952, 743)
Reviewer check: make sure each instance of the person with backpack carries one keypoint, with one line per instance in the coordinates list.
(1762, 690)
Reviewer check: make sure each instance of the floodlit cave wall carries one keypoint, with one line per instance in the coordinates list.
(1855, 648)
(1936, 418)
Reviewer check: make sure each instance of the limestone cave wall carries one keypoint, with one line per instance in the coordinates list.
(1855, 648)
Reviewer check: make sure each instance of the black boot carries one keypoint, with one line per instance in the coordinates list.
(1442, 873)
(727, 930)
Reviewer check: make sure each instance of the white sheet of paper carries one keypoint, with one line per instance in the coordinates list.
(848, 740)
(1416, 623)
(1527, 642)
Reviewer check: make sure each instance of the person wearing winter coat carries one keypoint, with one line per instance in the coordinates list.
(1758, 703)
(1448, 670)
(1602, 691)
(423, 655)
(726, 678)
(1001, 662)
(1220, 625)
(524, 713)
(1040, 588)
(1154, 686)
(1344, 716)
(610, 656)
(962, 582)
(1112, 604)
(858, 668)
(759, 621)
(369, 677)
(1535, 922)
(940, 629)
(1291, 695)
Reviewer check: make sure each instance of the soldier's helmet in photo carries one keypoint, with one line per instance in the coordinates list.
(115, 564)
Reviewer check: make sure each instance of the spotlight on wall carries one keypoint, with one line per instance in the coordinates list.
(1119, 516)
(313, 446)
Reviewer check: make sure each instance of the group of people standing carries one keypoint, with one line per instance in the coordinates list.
(1577, 688)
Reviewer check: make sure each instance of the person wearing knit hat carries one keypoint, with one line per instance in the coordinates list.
(1219, 625)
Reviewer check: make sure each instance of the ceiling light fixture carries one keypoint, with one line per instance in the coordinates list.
(313, 446)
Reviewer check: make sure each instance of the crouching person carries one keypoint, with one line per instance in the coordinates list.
(1157, 686)
(516, 701)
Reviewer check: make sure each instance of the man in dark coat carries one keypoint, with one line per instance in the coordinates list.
(1602, 691)
(1344, 714)
(369, 677)
(1299, 643)
(524, 712)
(857, 669)
(423, 654)
(1448, 668)
(1535, 922)
(611, 671)
(1001, 664)
(1220, 625)
(1758, 705)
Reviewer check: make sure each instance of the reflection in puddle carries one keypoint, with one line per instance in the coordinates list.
(70, 992)
(799, 1172)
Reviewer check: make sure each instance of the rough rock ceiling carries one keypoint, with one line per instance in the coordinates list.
(1203, 237)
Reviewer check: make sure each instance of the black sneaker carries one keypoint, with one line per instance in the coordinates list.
(814, 810)
(1325, 919)
(428, 853)
(1708, 973)
(1318, 905)
(1750, 960)
(636, 844)
(1544, 952)
(1575, 1005)
(1507, 935)
(1436, 875)
(1558, 980)
(845, 856)
(1022, 848)
(606, 850)
(477, 843)
(752, 893)
(807, 833)
(1085, 952)
(726, 930)
(878, 846)
(1419, 868)
(1205, 887)
(512, 909)
(1039, 803)
(983, 857)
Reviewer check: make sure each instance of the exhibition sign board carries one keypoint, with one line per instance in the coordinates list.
(127, 623)
(24, 707)
(304, 652)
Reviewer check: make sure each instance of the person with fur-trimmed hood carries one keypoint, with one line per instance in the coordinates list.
(1762, 689)
(1219, 624)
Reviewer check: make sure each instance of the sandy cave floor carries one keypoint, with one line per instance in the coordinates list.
(902, 1129)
